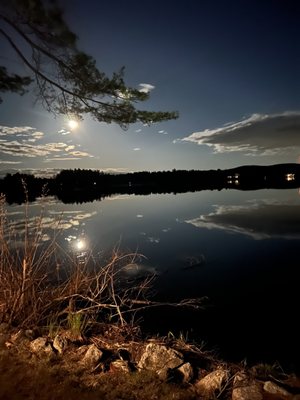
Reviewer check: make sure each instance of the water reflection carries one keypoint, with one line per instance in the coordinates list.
(198, 244)
(259, 220)
(79, 246)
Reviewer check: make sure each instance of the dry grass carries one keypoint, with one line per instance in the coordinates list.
(22, 378)
(42, 284)
(33, 292)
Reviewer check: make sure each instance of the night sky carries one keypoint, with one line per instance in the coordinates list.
(230, 68)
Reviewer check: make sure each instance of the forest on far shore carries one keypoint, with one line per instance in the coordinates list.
(81, 185)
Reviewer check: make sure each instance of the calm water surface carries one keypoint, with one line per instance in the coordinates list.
(240, 249)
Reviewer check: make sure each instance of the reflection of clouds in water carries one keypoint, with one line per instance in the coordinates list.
(140, 216)
(165, 230)
(152, 239)
(55, 221)
(259, 220)
(118, 197)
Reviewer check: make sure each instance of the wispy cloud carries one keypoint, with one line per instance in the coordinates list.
(78, 153)
(10, 162)
(137, 149)
(16, 130)
(259, 220)
(64, 132)
(61, 159)
(115, 170)
(26, 142)
(146, 87)
(259, 134)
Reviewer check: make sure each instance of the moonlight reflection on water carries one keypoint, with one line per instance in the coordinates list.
(248, 246)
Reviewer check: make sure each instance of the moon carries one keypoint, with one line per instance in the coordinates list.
(73, 124)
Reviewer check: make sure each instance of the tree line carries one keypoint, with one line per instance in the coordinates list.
(80, 185)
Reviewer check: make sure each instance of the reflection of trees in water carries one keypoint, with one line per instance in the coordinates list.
(79, 185)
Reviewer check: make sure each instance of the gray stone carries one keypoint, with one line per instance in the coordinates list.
(41, 346)
(245, 388)
(60, 343)
(119, 366)
(160, 359)
(272, 388)
(212, 382)
(187, 372)
(92, 356)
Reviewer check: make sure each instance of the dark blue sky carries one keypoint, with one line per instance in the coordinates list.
(231, 69)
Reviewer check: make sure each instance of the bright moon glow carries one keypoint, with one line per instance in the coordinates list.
(80, 244)
(73, 124)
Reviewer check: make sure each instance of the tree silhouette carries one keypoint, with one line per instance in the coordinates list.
(67, 80)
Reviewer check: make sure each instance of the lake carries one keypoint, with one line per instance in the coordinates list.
(239, 249)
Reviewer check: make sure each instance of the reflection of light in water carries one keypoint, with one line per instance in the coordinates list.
(80, 244)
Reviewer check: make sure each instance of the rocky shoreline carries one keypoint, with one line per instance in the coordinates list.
(185, 366)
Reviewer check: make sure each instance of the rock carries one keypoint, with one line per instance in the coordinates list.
(212, 382)
(82, 350)
(119, 366)
(187, 372)
(272, 388)
(41, 346)
(160, 359)
(92, 356)
(246, 389)
(60, 343)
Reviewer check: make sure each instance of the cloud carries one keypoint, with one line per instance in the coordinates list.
(71, 147)
(146, 87)
(259, 134)
(22, 149)
(78, 153)
(115, 170)
(136, 149)
(25, 142)
(64, 132)
(37, 135)
(10, 162)
(259, 220)
(16, 130)
(61, 159)
(162, 132)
